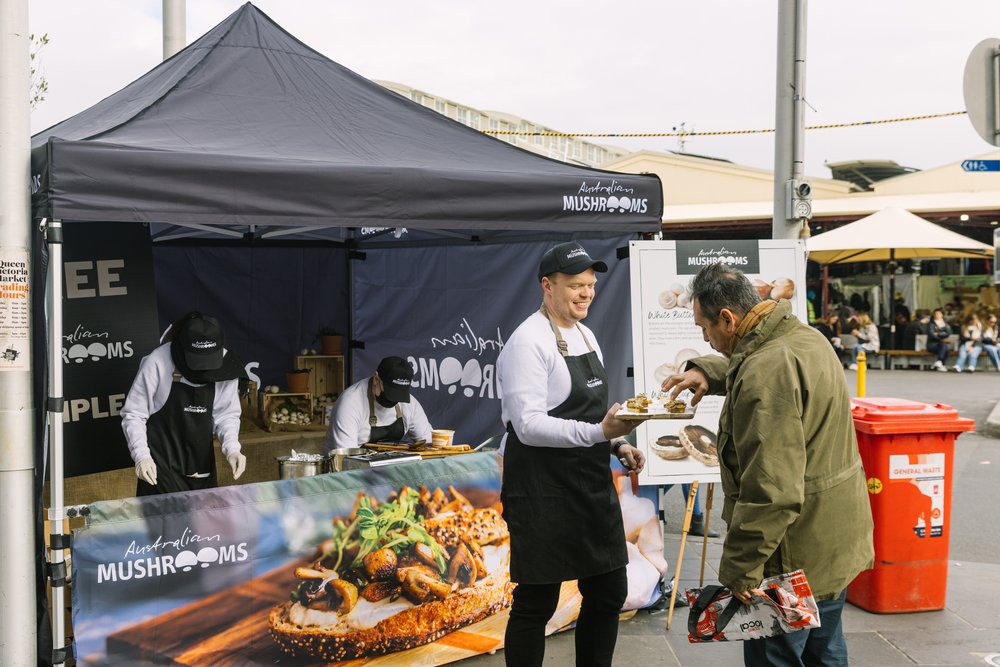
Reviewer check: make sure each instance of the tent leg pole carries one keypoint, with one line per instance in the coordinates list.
(56, 516)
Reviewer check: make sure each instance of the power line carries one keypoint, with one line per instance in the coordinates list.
(719, 133)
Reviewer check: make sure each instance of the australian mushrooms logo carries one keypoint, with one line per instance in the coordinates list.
(475, 377)
(164, 557)
(605, 197)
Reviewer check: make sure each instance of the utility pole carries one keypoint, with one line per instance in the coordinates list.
(792, 194)
(174, 27)
(18, 630)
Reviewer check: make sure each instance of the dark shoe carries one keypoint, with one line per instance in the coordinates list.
(663, 603)
(698, 527)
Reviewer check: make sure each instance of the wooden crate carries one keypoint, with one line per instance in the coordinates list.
(272, 402)
(327, 376)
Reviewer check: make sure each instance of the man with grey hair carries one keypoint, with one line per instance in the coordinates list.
(795, 494)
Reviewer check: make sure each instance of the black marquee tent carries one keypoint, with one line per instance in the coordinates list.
(247, 140)
(247, 129)
(264, 170)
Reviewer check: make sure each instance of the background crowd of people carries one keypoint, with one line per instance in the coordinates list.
(955, 334)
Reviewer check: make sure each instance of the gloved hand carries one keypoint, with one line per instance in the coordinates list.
(238, 462)
(146, 471)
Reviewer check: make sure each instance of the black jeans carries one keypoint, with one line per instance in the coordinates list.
(939, 348)
(596, 628)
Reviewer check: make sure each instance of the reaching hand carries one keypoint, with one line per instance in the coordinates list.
(146, 471)
(614, 427)
(632, 458)
(238, 463)
(694, 379)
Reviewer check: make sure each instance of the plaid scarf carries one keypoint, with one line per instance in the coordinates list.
(752, 319)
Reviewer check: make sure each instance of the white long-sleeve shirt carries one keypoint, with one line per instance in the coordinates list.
(349, 425)
(534, 379)
(149, 393)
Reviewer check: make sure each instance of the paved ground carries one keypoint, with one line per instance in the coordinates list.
(966, 632)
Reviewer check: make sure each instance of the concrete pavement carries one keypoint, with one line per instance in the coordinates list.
(966, 632)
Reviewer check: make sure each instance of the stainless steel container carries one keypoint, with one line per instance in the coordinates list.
(336, 457)
(289, 468)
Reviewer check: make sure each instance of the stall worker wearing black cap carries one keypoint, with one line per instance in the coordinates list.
(185, 391)
(378, 409)
(559, 499)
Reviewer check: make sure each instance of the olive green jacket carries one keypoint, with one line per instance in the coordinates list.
(795, 492)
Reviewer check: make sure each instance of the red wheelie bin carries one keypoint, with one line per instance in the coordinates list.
(907, 450)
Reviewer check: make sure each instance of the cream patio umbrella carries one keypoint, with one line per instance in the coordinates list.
(889, 235)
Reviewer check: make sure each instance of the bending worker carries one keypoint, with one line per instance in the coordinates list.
(559, 499)
(185, 391)
(378, 409)
(795, 491)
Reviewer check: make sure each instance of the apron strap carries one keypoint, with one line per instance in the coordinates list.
(371, 405)
(560, 343)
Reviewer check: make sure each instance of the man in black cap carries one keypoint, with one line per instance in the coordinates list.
(378, 409)
(185, 391)
(559, 499)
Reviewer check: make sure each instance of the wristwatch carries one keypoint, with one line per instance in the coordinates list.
(617, 447)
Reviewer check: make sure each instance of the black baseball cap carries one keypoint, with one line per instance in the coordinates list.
(199, 343)
(396, 375)
(569, 258)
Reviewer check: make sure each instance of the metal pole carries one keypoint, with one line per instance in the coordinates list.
(57, 515)
(18, 631)
(174, 27)
(789, 113)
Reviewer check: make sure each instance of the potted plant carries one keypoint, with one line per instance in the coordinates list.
(331, 341)
(298, 380)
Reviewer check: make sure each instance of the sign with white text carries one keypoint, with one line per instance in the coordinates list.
(109, 324)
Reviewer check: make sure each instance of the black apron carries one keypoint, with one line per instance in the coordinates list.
(561, 504)
(180, 440)
(393, 433)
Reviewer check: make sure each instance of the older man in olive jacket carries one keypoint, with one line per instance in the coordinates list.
(792, 476)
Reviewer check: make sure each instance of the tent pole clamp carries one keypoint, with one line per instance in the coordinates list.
(52, 229)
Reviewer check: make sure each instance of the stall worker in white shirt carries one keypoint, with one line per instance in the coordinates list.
(186, 391)
(378, 409)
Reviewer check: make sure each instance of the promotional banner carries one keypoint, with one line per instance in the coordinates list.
(109, 324)
(665, 338)
(402, 564)
(449, 310)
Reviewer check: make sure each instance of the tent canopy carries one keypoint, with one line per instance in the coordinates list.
(247, 129)
(892, 233)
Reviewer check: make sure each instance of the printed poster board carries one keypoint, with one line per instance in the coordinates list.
(209, 577)
(664, 338)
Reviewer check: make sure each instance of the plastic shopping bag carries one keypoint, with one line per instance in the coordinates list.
(781, 604)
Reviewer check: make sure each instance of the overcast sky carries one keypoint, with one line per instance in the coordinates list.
(626, 66)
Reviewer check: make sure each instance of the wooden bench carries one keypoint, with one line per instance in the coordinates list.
(924, 359)
(891, 357)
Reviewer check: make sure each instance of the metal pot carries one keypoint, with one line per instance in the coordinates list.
(289, 468)
(336, 457)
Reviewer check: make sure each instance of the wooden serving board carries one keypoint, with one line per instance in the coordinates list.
(230, 628)
(425, 452)
(646, 416)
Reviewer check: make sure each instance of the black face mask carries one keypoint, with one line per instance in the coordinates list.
(383, 401)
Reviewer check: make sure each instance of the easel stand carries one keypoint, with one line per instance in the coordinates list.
(688, 511)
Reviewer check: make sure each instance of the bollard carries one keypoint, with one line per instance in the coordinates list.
(862, 367)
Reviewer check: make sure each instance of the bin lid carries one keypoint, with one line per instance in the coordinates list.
(900, 415)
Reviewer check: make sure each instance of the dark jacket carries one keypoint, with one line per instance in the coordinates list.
(795, 492)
